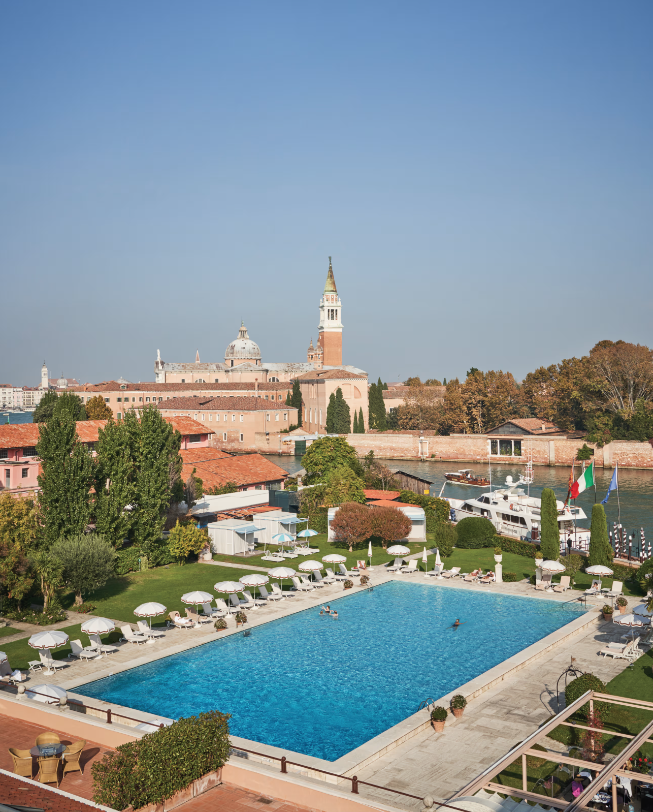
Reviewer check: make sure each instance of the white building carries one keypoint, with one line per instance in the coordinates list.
(275, 522)
(233, 536)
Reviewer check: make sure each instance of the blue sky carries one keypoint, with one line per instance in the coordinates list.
(480, 172)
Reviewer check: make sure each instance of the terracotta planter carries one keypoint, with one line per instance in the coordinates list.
(437, 726)
(622, 610)
(458, 712)
(607, 616)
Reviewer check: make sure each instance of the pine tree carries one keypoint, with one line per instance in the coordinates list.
(361, 422)
(379, 408)
(331, 415)
(65, 480)
(158, 468)
(115, 486)
(296, 400)
(550, 543)
(600, 549)
(342, 414)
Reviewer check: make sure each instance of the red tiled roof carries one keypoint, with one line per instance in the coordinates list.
(21, 435)
(388, 503)
(329, 374)
(210, 404)
(17, 791)
(203, 454)
(114, 386)
(186, 425)
(532, 425)
(371, 494)
(249, 469)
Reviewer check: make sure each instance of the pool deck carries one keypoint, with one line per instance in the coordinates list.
(506, 703)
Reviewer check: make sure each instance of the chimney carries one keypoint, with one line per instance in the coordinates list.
(255, 387)
(543, 427)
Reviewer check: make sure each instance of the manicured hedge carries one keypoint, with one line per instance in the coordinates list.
(160, 764)
(474, 532)
(510, 577)
(577, 687)
(319, 520)
(517, 547)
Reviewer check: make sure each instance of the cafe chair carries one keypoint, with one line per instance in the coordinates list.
(72, 755)
(22, 762)
(47, 738)
(48, 770)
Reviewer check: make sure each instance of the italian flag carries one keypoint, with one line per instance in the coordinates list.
(584, 481)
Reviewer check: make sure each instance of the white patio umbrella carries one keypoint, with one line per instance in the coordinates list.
(283, 538)
(3, 657)
(150, 610)
(553, 567)
(640, 611)
(228, 586)
(49, 694)
(398, 549)
(48, 640)
(310, 566)
(281, 573)
(334, 558)
(600, 570)
(633, 621)
(306, 534)
(98, 625)
(254, 579)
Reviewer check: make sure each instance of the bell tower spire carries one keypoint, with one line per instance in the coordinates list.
(330, 326)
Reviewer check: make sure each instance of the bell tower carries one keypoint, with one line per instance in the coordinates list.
(330, 326)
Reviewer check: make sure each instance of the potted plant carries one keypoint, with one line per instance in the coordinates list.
(348, 584)
(365, 579)
(498, 555)
(220, 624)
(458, 705)
(241, 617)
(438, 718)
(607, 612)
(622, 603)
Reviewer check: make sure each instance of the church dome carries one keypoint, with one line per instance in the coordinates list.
(243, 348)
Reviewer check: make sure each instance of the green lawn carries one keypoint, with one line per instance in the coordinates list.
(6, 631)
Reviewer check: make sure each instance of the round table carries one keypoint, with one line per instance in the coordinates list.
(37, 753)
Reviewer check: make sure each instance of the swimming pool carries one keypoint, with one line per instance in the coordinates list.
(321, 686)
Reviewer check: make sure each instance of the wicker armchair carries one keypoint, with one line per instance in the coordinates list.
(72, 755)
(22, 762)
(49, 770)
(47, 738)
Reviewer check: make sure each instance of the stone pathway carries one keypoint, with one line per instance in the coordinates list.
(28, 629)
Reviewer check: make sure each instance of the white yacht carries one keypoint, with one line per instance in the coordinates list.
(518, 515)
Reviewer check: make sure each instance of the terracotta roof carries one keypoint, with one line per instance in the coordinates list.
(186, 425)
(210, 404)
(18, 791)
(329, 374)
(370, 494)
(531, 425)
(388, 503)
(249, 469)
(114, 386)
(194, 455)
(21, 435)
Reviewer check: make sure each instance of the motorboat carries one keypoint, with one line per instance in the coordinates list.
(516, 514)
(466, 477)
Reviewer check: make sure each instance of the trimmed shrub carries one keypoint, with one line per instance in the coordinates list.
(458, 702)
(127, 560)
(578, 686)
(365, 579)
(439, 714)
(517, 547)
(510, 577)
(474, 532)
(220, 624)
(347, 584)
(85, 608)
(445, 538)
(160, 764)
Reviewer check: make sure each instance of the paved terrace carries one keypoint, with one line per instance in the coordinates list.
(428, 763)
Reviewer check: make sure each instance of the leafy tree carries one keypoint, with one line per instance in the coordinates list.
(311, 506)
(88, 562)
(70, 403)
(584, 453)
(473, 371)
(18, 539)
(288, 400)
(50, 572)
(621, 374)
(97, 409)
(67, 473)
(454, 411)
(600, 548)
(43, 411)
(327, 453)
(352, 524)
(185, 539)
(414, 381)
(331, 415)
(436, 509)
(392, 422)
(475, 532)
(342, 414)
(116, 479)
(433, 382)
(228, 487)
(421, 409)
(343, 485)
(296, 400)
(550, 531)
(577, 687)
(15, 577)
(376, 474)
(446, 538)
(193, 489)
(573, 565)
(389, 524)
(158, 467)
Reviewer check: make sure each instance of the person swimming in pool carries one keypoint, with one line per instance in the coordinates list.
(326, 609)
(334, 614)
(456, 624)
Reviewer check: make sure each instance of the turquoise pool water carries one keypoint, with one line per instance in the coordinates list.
(322, 687)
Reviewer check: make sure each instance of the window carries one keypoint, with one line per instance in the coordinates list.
(233, 418)
(285, 417)
(118, 400)
(276, 416)
(217, 418)
(195, 438)
(147, 400)
(266, 397)
(258, 487)
(30, 451)
(195, 418)
(183, 380)
(140, 400)
(242, 418)
(278, 397)
(25, 472)
(210, 418)
(242, 438)
(4, 454)
(118, 416)
(134, 400)
(215, 381)
(224, 435)
(160, 399)
(202, 416)
(200, 380)
(267, 417)
(505, 448)
(106, 400)
(320, 416)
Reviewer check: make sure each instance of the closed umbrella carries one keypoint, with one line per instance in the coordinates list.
(438, 560)
(98, 625)
(150, 610)
(424, 556)
(310, 566)
(49, 694)
(600, 571)
(3, 657)
(254, 579)
(48, 640)
(281, 573)
(398, 549)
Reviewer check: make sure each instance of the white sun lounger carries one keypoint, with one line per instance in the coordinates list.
(563, 586)
(256, 601)
(209, 611)
(311, 584)
(276, 589)
(130, 636)
(301, 586)
(329, 578)
(102, 648)
(615, 590)
(80, 653)
(399, 563)
(619, 652)
(269, 596)
(144, 629)
(223, 607)
(349, 574)
(411, 566)
(454, 572)
(336, 575)
(48, 662)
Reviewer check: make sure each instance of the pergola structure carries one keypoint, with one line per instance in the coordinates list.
(602, 772)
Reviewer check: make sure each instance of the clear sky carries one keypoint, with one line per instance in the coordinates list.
(481, 173)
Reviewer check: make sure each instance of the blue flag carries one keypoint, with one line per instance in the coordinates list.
(613, 486)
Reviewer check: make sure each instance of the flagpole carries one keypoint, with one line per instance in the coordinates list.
(594, 478)
(616, 465)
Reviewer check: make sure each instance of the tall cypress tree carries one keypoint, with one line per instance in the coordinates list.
(355, 427)
(361, 421)
(296, 400)
(342, 414)
(371, 405)
(288, 400)
(115, 482)
(600, 548)
(550, 542)
(331, 415)
(65, 480)
(158, 467)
